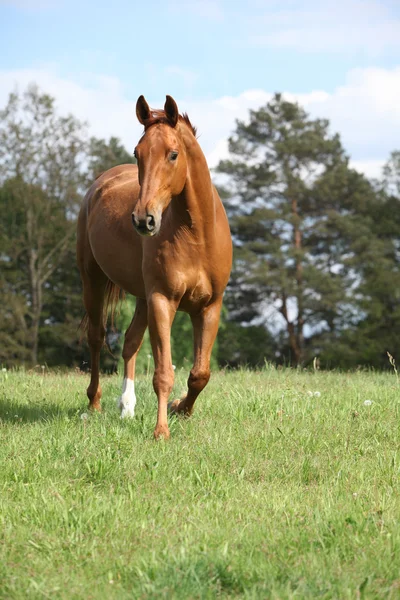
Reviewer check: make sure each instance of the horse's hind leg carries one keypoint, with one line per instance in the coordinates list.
(93, 297)
(133, 340)
(205, 328)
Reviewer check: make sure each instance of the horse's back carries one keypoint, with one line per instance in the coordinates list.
(117, 187)
(105, 231)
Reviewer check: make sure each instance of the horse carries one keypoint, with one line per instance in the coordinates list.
(157, 230)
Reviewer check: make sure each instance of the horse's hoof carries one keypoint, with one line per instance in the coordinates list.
(161, 432)
(127, 412)
(126, 408)
(173, 407)
(178, 407)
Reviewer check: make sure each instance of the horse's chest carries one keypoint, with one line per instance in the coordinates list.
(179, 277)
(198, 292)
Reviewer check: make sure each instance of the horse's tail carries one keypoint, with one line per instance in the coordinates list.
(113, 294)
(112, 297)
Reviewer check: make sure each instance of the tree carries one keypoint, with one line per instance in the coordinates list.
(296, 212)
(379, 271)
(105, 155)
(391, 175)
(46, 164)
(249, 346)
(40, 168)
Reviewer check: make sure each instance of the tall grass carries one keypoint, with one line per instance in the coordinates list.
(284, 484)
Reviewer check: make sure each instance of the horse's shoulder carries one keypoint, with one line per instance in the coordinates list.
(119, 171)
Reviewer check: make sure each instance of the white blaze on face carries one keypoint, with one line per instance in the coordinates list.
(127, 401)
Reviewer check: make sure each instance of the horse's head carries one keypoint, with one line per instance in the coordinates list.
(161, 158)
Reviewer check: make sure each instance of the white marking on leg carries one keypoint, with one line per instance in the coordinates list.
(127, 401)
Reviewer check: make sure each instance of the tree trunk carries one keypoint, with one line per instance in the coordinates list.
(293, 338)
(297, 240)
(36, 299)
(34, 279)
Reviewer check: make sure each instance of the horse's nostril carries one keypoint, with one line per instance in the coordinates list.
(144, 226)
(150, 222)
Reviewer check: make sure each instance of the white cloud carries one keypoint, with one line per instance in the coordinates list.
(100, 100)
(334, 26)
(365, 110)
(373, 168)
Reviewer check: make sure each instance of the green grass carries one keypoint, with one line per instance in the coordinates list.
(267, 492)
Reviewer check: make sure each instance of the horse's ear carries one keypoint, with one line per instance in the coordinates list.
(171, 111)
(142, 110)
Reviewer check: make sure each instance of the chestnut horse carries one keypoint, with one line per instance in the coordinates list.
(158, 231)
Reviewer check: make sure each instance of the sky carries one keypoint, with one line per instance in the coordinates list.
(217, 58)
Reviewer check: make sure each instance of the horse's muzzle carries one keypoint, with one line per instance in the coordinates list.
(146, 226)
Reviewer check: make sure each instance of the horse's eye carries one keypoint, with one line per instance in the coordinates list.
(134, 153)
(173, 156)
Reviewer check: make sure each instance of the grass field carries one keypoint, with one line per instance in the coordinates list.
(284, 484)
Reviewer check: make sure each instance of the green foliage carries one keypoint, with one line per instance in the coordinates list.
(144, 361)
(269, 491)
(378, 263)
(104, 155)
(181, 340)
(40, 175)
(304, 230)
(41, 185)
(251, 346)
(391, 172)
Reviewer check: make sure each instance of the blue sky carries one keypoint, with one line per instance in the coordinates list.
(340, 59)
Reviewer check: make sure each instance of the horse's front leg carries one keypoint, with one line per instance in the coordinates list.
(205, 328)
(161, 313)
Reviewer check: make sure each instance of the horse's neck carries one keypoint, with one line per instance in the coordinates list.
(198, 197)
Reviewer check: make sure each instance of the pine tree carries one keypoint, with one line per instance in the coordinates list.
(295, 207)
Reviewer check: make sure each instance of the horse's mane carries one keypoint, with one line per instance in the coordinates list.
(159, 116)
